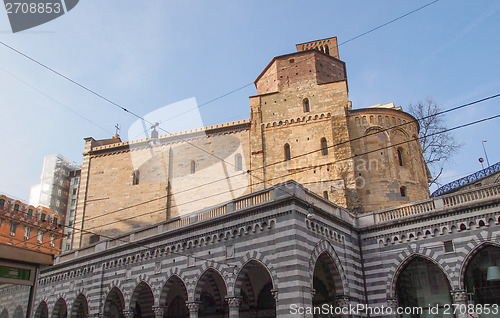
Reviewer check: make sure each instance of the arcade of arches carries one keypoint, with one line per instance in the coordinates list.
(420, 283)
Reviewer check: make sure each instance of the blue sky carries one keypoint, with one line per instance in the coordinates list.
(148, 54)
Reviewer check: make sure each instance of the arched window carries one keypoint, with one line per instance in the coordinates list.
(30, 212)
(324, 147)
(305, 103)
(482, 276)
(400, 156)
(42, 217)
(238, 162)
(287, 152)
(403, 191)
(327, 50)
(16, 207)
(193, 166)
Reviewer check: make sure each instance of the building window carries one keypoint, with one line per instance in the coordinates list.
(73, 202)
(325, 194)
(13, 227)
(71, 212)
(327, 50)
(67, 246)
(70, 224)
(74, 191)
(402, 190)
(400, 156)
(16, 207)
(238, 162)
(30, 212)
(135, 177)
(42, 217)
(324, 147)
(287, 152)
(305, 104)
(54, 221)
(2, 202)
(193, 166)
(27, 233)
(40, 237)
(52, 241)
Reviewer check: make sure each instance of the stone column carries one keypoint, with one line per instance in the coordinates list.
(459, 297)
(160, 311)
(234, 306)
(393, 304)
(128, 313)
(193, 309)
(342, 302)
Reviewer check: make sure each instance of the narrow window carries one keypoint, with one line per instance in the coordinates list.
(40, 237)
(238, 162)
(322, 49)
(193, 166)
(400, 156)
(287, 152)
(325, 194)
(324, 147)
(42, 217)
(305, 103)
(2, 202)
(403, 191)
(54, 221)
(16, 207)
(27, 233)
(135, 177)
(30, 212)
(52, 241)
(13, 227)
(327, 50)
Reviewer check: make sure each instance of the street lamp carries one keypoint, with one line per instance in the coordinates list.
(484, 149)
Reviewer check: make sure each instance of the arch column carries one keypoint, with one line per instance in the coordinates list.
(459, 298)
(234, 306)
(342, 302)
(128, 313)
(194, 308)
(393, 304)
(160, 311)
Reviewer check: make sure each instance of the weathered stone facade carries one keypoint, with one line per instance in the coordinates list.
(302, 127)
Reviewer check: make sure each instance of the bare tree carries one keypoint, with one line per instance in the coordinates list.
(438, 144)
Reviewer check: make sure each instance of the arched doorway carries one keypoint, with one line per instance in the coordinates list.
(254, 286)
(60, 310)
(422, 283)
(142, 301)
(210, 293)
(482, 277)
(114, 304)
(42, 311)
(327, 283)
(174, 296)
(80, 307)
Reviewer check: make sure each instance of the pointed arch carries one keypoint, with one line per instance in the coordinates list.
(80, 307)
(325, 248)
(142, 300)
(19, 312)
(114, 303)
(211, 291)
(42, 311)
(473, 248)
(60, 309)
